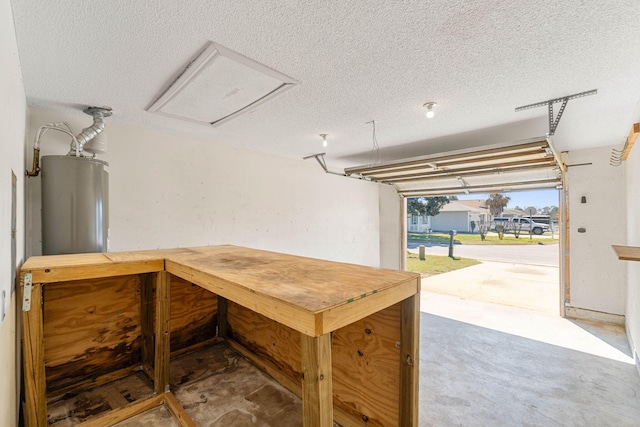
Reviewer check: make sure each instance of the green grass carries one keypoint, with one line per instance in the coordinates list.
(474, 239)
(434, 264)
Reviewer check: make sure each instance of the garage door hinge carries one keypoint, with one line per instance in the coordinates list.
(26, 292)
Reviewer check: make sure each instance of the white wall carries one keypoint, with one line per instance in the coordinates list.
(12, 145)
(391, 250)
(598, 279)
(446, 221)
(632, 168)
(170, 191)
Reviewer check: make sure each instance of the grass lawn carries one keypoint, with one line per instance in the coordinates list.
(474, 239)
(434, 264)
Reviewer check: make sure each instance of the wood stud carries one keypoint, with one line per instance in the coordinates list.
(317, 394)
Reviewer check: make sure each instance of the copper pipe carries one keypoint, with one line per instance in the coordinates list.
(36, 163)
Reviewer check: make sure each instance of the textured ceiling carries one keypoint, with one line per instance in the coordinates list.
(356, 61)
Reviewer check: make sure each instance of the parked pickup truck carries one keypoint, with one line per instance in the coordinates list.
(519, 224)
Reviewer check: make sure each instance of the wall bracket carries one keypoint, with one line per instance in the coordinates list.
(26, 293)
(617, 156)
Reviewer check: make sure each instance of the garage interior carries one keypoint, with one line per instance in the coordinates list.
(231, 157)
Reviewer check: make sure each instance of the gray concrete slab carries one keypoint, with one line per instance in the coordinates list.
(485, 364)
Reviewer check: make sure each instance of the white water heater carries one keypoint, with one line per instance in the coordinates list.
(75, 205)
(75, 189)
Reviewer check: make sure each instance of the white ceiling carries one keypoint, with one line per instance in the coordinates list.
(356, 61)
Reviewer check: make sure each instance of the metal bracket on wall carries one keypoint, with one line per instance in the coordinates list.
(26, 296)
(617, 156)
(554, 121)
(320, 158)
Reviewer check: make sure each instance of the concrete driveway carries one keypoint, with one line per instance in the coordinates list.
(530, 287)
(522, 276)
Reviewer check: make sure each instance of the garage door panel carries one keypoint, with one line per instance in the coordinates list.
(523, 165)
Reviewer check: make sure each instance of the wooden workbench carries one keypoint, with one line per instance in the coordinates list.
(343, 337)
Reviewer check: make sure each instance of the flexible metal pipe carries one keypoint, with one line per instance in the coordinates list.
(88, 133)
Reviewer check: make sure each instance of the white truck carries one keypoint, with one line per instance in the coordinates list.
(522, 225)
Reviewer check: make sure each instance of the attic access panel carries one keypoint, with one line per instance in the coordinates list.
(524, 165)
(219, 85)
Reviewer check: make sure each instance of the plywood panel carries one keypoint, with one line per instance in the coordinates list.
(91, 327)
(366, 359)
(366, 368)
(268, 339)
(193, 314)
(309, 284)
(61, 268)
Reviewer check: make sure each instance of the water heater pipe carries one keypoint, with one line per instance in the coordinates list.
(91, 132)
(77, 141)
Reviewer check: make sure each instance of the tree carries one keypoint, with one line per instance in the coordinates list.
(496, 203)
(426, 206)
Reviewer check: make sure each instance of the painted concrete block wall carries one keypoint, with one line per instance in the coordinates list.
(13, 112)
(598, 280)
(170, 191)
(632, 169)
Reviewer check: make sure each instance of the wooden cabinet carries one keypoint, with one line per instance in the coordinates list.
(341, 336)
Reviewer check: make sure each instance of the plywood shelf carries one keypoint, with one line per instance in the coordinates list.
(627, 253)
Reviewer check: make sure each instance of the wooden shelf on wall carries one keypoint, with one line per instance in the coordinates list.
(627, 253)
(631, 139)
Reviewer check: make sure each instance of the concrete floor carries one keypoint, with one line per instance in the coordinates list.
(487, 364)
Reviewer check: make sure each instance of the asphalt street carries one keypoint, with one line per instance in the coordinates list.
(545, 255)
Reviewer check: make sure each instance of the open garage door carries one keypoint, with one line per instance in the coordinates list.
(524, 165)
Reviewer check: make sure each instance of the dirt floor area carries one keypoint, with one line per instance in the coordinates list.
(216, 386)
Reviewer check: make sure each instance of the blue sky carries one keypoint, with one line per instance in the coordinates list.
(536, 198)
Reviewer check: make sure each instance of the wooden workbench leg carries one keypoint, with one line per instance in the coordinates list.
(35, 386)
(317, 391)
(410, 352)
(146, 323)
(163, 317)
(223, 322)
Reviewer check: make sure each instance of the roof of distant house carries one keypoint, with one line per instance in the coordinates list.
(459, 206)
(476, 203)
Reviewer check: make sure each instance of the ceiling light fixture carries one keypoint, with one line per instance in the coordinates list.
(324, 139)
(429, 106)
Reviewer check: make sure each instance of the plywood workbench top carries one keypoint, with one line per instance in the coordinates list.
(309, 295)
